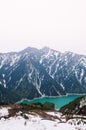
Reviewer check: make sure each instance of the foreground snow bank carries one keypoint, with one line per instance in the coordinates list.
(3, 111)
(34, 122)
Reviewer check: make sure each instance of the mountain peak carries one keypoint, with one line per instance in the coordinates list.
(45, 49)
(29, 50)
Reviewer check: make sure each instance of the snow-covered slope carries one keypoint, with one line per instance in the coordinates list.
(68, 69)
(35, 122)
(33, 73)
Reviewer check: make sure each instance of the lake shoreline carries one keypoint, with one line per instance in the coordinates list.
(68, 94)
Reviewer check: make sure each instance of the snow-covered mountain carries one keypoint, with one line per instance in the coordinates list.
(33, 73)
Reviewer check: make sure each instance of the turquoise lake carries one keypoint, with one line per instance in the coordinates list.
(58, 101)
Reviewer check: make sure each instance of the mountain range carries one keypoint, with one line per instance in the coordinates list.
(33, 73)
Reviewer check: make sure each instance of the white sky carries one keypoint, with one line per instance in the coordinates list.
(59, 24)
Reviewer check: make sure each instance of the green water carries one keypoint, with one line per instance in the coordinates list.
(58, 101)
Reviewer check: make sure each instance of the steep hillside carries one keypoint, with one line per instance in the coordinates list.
(77, 107)
(33, 73)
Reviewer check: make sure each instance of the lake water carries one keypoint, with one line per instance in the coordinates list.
(58, 101)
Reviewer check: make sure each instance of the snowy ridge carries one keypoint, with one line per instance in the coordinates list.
(9, 59)
(3, 59)
(15, 58)
(34, 78)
